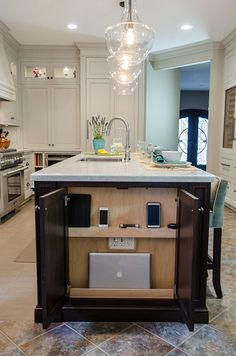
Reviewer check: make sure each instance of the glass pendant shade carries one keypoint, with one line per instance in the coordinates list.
(124, 89)
(130, 37)
(123, 72)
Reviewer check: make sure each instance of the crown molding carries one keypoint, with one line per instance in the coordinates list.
(45, 51)
(92, 49)
(229, 42)
(183, 55)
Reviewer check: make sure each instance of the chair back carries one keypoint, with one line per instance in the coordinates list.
(217, 218)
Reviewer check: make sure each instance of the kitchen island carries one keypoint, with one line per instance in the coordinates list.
(178, 267)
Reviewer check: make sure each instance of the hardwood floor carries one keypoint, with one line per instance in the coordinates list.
(17, 280)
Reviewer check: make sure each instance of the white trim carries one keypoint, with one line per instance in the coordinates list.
(184, 55)
(97, 49)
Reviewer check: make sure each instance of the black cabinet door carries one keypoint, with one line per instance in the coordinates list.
(186, 255)
(53, 235)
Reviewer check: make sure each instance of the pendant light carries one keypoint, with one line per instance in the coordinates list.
(130, 40)
(123, 73)
(124, 89)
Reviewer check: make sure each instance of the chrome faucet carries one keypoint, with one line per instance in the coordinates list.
(127, 128)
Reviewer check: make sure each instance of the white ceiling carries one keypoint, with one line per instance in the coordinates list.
(43, 21)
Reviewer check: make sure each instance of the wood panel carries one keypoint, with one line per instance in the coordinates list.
(121, 293)
(128, 206)
(162, 259)
(144, 232)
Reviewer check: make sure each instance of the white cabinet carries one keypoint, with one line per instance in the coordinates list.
(103, 101)
(35, 117)
(50, 117)
(65, 117)
(99, 98)
(8, 113)
(228, 172)
(28, 164)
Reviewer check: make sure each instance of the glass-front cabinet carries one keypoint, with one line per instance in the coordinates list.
(35, 71)
(65, 71)
(53, 72)
(229, 118)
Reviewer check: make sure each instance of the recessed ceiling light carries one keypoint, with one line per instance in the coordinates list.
(71, 26)
(186, 27)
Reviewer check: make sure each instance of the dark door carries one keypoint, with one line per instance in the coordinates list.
(53, 235)
(193, 136)
(186, 255)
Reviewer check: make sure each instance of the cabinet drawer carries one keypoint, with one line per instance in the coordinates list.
(226, 165)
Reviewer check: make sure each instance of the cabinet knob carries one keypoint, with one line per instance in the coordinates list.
(28, 184)
(27, 164)
(49, 144)
(52, 144)
(48, 77)
(12, 118)
(51, 77)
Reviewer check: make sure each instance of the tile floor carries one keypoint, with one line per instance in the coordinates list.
(20, 336)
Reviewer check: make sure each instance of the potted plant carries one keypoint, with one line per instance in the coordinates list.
(99, 127)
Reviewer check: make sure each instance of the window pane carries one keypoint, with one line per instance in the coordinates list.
(66, 72)
(183, 137)
(202, 141)
(35, 72)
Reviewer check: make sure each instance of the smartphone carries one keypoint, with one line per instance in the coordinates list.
(103, 217)
(153, 214)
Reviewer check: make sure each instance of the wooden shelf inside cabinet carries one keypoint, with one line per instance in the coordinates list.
(122, 293)
(143, 232)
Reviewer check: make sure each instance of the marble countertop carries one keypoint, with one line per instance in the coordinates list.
(75, 170)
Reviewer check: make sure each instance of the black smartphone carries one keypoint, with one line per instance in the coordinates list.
(153, 214)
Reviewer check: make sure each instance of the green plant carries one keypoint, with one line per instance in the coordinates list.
(99, 126)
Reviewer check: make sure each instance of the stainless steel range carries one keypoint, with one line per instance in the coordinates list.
(11, 180)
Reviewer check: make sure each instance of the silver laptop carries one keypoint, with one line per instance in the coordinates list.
(119, 270)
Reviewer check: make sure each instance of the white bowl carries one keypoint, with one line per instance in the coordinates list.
(174, 156)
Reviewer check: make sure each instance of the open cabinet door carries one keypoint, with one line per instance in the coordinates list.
(53, 235)
(186, 255)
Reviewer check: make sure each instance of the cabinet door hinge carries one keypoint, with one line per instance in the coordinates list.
(68, 287)
(67, 199)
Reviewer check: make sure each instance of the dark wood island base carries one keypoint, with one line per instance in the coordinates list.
(62, 291)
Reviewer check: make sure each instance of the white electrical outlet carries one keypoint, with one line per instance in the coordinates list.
(121, 243)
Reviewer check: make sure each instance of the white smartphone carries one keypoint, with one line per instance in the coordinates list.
(153, 214)
(103, 217)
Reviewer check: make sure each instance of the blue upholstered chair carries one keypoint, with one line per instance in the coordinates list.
(218, 193)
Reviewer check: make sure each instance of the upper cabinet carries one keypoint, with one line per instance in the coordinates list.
(229, 118)
(99, 98)
(50, 117)
(58, 72)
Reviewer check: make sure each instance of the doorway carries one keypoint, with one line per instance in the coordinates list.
(193, 136)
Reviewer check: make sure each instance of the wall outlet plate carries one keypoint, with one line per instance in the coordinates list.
(121, 243)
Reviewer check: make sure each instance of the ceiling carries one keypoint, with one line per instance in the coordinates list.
(43, 22)
(195, 77)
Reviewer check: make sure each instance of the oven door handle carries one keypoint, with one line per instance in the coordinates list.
(15, 171)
